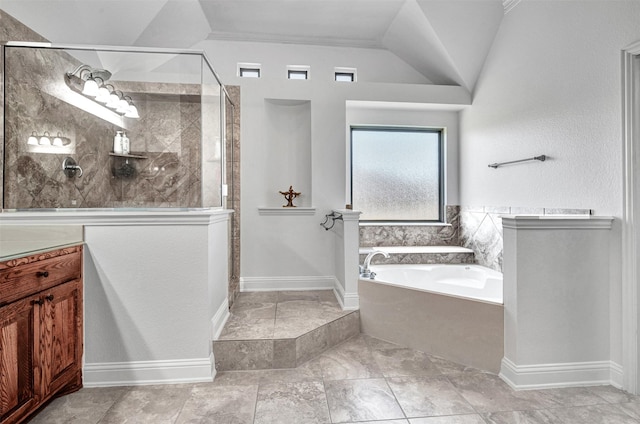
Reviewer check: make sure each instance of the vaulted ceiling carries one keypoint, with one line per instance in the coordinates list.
(445, 40)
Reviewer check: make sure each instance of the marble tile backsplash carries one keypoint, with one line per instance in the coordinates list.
(478, 228)
(481, 229)
(414, 235)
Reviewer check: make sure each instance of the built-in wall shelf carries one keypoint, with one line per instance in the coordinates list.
(287, 211)
(129, 156)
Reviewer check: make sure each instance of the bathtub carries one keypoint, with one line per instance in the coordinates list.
(473, 282)
(450, 311)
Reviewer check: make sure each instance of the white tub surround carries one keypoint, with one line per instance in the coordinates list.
(466, 331)
(556, 300)
(155, 292)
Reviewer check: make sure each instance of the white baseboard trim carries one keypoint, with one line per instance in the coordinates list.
(348, 301)
(545, 376)
(139, 373)
(286, 283)
(617, 375)
(219, 319)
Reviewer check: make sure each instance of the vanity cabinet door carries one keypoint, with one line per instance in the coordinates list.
(59, 344)
(17, 395)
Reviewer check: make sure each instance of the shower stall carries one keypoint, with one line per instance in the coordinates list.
(73, 102)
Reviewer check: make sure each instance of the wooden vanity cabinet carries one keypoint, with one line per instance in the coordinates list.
(41, 332)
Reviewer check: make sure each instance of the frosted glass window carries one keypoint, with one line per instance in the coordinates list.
(396, 174)
(297, 75)
(250, 72)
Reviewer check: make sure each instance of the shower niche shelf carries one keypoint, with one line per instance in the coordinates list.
(129, 156)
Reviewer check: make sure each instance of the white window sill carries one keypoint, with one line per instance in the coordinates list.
(287, 211)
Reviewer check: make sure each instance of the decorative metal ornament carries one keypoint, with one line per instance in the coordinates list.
(289, 196)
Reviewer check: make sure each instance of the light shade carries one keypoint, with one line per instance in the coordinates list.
(103, 94)
(90, 88)
(114, 101)
(132, 112)
(123, 106)
(45, 140)
(57, 141)
(33, 139)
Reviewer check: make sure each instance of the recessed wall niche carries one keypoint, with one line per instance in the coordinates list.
(288, 139)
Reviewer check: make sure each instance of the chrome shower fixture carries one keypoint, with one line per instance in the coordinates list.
(91, 83)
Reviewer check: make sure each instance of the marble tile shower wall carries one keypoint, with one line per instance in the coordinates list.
(168, 134)
(10, 30)
(233, 181)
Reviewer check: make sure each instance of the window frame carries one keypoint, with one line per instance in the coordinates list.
(441, 132)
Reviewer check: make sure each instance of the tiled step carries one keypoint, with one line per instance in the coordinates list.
(420, 255)
(269, 330)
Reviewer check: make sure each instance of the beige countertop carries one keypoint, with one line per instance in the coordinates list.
(22, 240)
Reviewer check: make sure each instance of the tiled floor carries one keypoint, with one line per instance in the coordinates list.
(280, 314)
(363, 380)
(282, 329)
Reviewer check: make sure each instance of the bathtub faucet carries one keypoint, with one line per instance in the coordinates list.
(365, 271)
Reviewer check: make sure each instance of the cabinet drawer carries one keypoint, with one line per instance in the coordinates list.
(25, 279)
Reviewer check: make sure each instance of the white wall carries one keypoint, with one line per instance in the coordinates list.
(551, 85)
(293, 250)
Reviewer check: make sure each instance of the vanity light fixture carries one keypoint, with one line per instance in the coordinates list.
(45, 140)
(90, 83)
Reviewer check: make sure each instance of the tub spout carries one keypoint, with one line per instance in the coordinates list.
(365, 271)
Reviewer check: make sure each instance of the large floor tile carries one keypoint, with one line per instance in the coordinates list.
(361, 400)
(286, 403)
(238, 328)
(382, 422)
(246, 310)
(256, 297)
(451, 419)
(86, 406)
(521, 417)
(428, 396)
(208, 403)
(349, 360)
(632, 409)
(448, 367)
(308, 309)
(613, 395)
(286, 328)
(570, 396)
(597, 414)
(148, 404)
(404, 362)
(488, 393)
